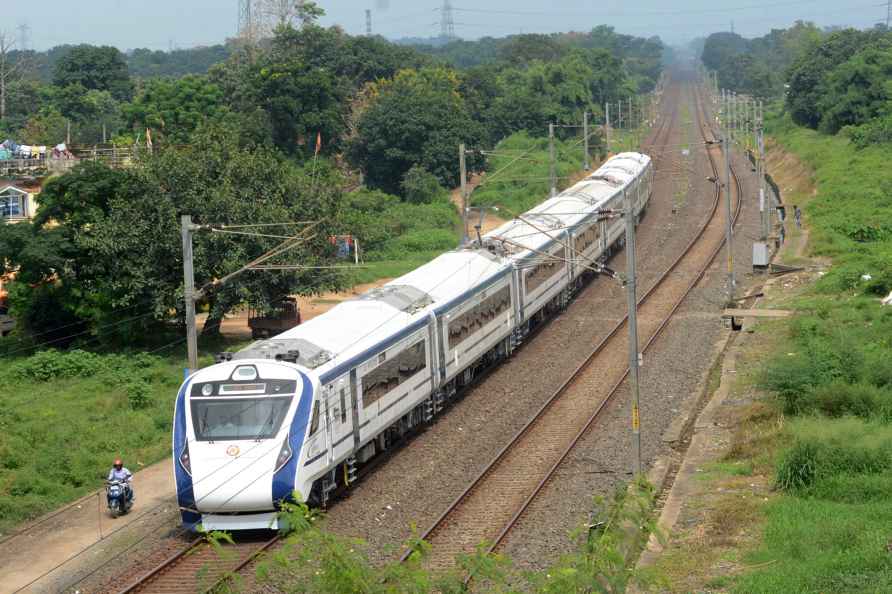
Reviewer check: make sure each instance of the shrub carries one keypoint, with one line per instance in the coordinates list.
(51, 365)
(422, 187)
(137, 394)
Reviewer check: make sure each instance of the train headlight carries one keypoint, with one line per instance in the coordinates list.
(207, 389)
(284, 454)
(185, 461)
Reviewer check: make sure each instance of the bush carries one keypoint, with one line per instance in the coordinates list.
(137, 394)
(825, 448)
(53, 365)
(422, 187)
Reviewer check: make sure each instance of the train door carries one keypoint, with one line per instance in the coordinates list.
(330, 417)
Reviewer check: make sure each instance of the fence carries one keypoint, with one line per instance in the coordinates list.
(117, 157)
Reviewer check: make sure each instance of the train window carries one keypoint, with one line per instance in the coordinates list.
(545, 269)
(343, 405)
(314, 422)
(387, 376)
(587, 238)
(238, 418)
(472, 320)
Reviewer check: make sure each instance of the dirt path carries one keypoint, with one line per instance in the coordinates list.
(490, 220)
(82, 533)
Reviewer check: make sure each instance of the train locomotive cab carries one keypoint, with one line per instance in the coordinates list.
(239, 428)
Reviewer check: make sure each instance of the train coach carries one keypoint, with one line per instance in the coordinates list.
(304, 410)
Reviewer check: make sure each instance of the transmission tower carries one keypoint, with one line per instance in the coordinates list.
(368, 22)
(447, 22)
(888, 12)
(24, 36)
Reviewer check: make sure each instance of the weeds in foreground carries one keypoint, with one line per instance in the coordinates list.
(316, 561)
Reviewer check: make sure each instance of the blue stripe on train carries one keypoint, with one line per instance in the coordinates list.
(185, 492)
(284, 480)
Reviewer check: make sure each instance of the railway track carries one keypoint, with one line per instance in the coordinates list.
(200, 567)
(492, 504)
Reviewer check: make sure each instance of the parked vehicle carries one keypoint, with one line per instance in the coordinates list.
(119, 495)
(285, 316)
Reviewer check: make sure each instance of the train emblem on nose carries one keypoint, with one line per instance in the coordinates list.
(232, 450)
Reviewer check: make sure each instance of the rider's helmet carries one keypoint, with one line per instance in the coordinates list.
(119, 464)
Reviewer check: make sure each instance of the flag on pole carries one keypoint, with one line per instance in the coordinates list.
(318, 143)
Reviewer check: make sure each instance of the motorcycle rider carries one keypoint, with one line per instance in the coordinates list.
(119, 473)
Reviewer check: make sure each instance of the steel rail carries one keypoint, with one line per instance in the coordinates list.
(171, 564)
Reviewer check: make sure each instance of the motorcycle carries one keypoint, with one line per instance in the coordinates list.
(120, 497)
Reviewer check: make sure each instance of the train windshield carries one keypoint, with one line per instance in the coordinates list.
(218, 419)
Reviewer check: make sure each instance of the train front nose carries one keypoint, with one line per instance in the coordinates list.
(234, 477)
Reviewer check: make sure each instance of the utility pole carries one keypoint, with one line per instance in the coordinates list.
(607, 126)
(585, 157)
(888, 13)
(368, 22)
(631, 122)
(187, 228)
(552, 172)
(729, 227)
(463, 171)
(619, 115)
(633, 331)
(763, 203)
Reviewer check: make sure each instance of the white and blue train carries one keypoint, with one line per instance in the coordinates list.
(301, 411)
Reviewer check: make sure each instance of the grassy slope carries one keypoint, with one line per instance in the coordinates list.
(832, 373)
(524, 178)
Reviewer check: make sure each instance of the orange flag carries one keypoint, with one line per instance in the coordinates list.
(318, 142)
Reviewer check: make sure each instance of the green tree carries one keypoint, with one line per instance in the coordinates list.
(174, 109)
(857, 90)
(95, 68)
(115, 241)
(417, 118)
(47, 127)
(808, 74)
(523, 49)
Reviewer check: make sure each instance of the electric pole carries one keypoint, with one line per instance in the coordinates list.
(463, 171)
(763, 203)
(633, 331)
(585, 165)
(189, 291)
(607, 126)
(551, 160)
(729, 227)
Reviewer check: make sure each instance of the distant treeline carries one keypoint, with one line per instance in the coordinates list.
(831, 80)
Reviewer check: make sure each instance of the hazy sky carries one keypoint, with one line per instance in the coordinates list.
(159, 24)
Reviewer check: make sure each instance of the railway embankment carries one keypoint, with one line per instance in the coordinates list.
(785, 485)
